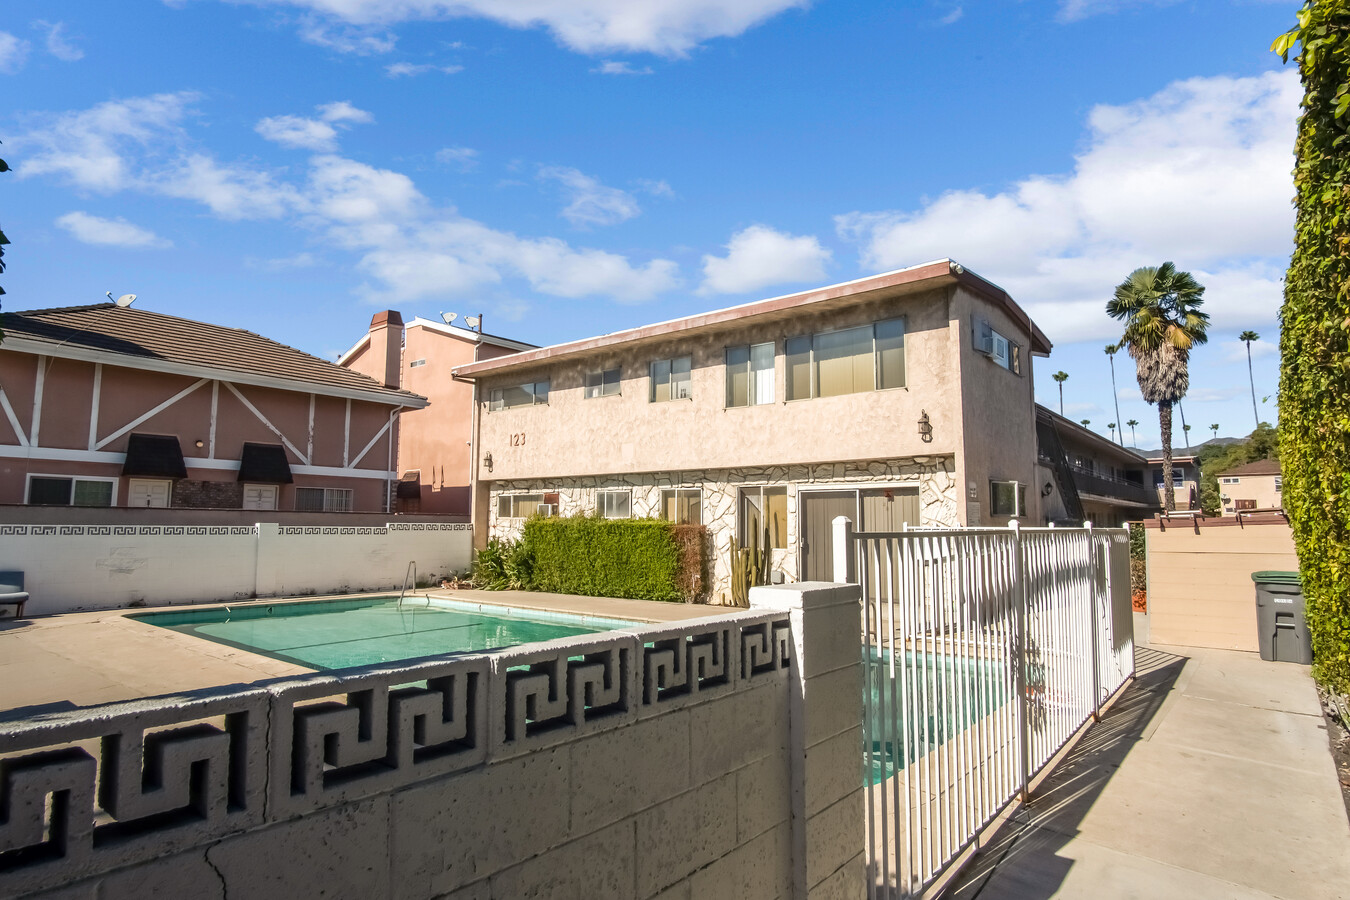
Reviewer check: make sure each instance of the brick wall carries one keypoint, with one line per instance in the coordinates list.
(207, 494)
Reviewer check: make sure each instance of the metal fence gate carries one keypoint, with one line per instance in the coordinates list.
(985, 650)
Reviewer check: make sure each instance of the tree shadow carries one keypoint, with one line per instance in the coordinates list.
(1022, 852)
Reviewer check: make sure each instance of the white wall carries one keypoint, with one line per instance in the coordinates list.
(83, 567)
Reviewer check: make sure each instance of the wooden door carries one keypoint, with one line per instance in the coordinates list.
(816, 511)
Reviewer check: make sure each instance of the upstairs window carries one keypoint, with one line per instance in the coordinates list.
(832, 363)
(671, 378)
(49, 490)
(1279, 484)
(532, 394)
(601, 384)
(750, 375)
(309, 499)
(998, 348)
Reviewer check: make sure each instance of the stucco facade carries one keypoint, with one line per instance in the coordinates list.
(1255, 485)
(960, 422)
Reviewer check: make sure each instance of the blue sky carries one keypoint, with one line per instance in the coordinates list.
(572, 167)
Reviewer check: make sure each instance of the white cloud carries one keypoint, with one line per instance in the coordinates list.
(118, 232)
(657, 188)
(300, 133)
(463, 158)
(952, 17)
(619, 67)
(591, 203)
(1156, 180)
(232, 192)
(665, 27)
(1236, 351)
(397, 70)
(1074, 10)
(297, 132)
(13, 53)
(759, 256)
(304, 260)
(57, 43)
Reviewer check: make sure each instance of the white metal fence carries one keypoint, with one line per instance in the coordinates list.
(985, 651)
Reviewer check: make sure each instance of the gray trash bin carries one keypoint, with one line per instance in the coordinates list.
(1280, 618)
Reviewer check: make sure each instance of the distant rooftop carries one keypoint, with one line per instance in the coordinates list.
(1260, 467)
(143, 336)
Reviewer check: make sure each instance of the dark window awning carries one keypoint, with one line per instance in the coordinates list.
(264, 464)
(410, 486)
(154, 456)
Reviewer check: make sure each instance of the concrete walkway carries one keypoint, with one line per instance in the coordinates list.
(1209, 778)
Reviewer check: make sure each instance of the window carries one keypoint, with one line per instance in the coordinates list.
(1178, 477)
(831, 363)
(683, 506)
(998, 348)
(1007, 498)
(417, 363)
(522, 506)
(1278, 484)
(614, 504)
(311, 499)
(1238, 480)
(53, 490)
(533, 394)
(602, 384)
(670, 379)
(764, 509)
(750, 375)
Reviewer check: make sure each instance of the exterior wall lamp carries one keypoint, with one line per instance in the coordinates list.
(925, 427)
(487, 461)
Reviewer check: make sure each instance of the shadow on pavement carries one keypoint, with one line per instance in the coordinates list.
(1022, 853)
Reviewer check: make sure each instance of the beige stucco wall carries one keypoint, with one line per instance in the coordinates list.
(1260, 488)
(627, 434)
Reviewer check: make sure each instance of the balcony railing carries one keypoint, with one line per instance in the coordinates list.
(1109, 486)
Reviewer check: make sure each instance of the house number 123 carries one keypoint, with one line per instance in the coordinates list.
(518, 440)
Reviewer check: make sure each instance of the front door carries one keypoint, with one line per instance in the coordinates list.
(148, 492)
(260, 496)
(816, 513)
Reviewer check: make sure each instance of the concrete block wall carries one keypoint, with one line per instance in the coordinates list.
(68, 568)
(687, 761)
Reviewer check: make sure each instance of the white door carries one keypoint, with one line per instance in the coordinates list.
(148, 492)
(260, 496)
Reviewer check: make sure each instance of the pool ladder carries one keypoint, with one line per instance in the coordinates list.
(411, 570)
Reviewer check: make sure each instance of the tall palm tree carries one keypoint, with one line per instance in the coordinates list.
(1160, 307)
(1215, 428)
(1134, 442)
(1060, 378)
(1111, 358)
(1247, 337)
(1086, 422)
(1186, 429)
(1112, 426)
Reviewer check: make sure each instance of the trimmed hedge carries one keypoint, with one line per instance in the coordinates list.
(641, 559)
(1314, 393)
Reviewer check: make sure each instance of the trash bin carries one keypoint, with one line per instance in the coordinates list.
(1281, 621)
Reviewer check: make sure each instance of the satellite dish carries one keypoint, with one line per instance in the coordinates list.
(471, 321)
(449, 318)
(125, 300)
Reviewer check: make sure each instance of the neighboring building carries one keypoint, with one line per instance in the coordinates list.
(1185, 480)
(1255, 485)
(433, 443)
(903, 398)
(1085, 477)
(111, 406)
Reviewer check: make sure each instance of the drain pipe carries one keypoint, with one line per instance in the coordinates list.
(389, 462)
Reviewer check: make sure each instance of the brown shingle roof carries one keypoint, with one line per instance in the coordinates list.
(1260, 467)
(139, 333)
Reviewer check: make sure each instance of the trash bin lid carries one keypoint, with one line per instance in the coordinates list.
(1274, 577)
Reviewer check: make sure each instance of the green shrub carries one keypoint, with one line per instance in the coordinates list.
(1314, 395)
(504, 565)
(641, 559)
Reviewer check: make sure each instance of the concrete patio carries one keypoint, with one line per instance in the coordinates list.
(1210, 777)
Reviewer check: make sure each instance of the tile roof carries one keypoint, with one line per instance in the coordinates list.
(1260, 467)
(139, 333)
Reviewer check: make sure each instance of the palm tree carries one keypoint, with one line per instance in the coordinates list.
(1160, 307)
(1060, 378)
(1134, 442)
(1111, 358)
(1086, 422)
(1187, 430)
(1215, 428)
(1112, 426)
(1247, 337)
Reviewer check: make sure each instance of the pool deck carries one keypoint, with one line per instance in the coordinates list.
(49, 663)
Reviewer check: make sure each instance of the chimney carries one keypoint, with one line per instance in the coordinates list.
(386, 347)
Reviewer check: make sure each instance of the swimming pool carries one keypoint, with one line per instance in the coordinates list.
(335, 634)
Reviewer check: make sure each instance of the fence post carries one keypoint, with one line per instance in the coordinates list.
(1020, 660)
(1092, 624)
(844, 567)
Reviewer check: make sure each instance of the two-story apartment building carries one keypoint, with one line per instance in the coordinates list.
(902, 398)
(1255, 485)
(434, 441)
(1185, 480)
(1086, 477)
(109, 406)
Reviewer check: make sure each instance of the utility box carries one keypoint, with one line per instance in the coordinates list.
(1281, 620)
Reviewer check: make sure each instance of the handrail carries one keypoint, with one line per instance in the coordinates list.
(412, 567)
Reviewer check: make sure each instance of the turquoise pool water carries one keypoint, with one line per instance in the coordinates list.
(335, 634)
(930, 727)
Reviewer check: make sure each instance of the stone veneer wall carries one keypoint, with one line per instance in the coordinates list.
(939, 496)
